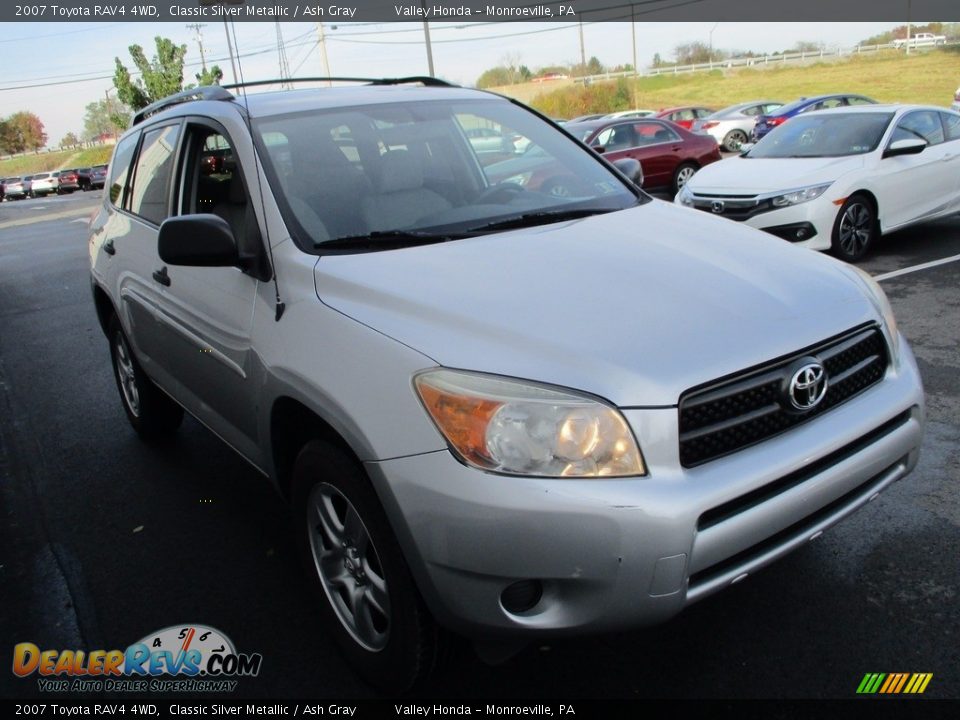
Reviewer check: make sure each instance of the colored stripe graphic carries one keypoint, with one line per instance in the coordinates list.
(894, 683)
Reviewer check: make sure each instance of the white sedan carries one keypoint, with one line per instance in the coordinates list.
(837, 179)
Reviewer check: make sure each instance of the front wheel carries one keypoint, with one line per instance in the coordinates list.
(682, 175)
(151, 413)
(367, 596)
(855, 229)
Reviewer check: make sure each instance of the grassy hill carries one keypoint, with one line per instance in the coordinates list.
(929, 77)
(45, 162)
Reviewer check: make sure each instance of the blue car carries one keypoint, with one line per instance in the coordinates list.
(766, 123)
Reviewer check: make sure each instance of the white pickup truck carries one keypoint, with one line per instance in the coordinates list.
(920, 40)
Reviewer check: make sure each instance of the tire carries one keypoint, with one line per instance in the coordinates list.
(150, 412)
(368, 599)
(734, 140)
(855, 229)
(682, 175)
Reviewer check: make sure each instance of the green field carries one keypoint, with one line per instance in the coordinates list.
(889, 76)
(45, 162)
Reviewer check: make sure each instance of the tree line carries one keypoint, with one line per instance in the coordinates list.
(156, 78)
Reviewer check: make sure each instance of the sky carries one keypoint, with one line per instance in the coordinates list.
(71, 63)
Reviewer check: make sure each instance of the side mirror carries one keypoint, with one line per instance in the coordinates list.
(747, 147)
(907, 146)
(202, 240)
(599, 149)
(631, 168)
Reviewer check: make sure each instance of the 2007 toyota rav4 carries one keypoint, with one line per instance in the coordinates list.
(539, 406)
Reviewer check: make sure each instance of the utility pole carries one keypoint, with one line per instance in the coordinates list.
(633, 33)
(233, 63)
(711, 42)
(909, 2)
(196, 27)
(323, 52)
(426, 37)
(583, 54)
(284, 64)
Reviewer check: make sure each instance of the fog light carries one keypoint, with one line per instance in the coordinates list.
(521, 596)
(794, 232)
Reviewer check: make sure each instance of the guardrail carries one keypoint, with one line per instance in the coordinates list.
(760, 61)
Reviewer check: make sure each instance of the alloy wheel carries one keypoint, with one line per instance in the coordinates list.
(856, 226)
(349, 567)
(126, 374)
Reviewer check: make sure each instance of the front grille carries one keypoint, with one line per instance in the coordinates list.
(736, 412)
(739, 210)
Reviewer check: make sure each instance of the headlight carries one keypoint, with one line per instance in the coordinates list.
(880, 302)
(684, 197)
(800, 195)
(514, 427)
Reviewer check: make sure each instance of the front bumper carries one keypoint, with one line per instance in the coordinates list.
(612, 554)
(808, 224)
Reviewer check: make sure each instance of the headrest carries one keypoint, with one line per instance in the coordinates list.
(400, 170)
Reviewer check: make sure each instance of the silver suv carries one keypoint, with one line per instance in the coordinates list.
(496, 409)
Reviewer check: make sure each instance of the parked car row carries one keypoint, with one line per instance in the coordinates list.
(59, 181)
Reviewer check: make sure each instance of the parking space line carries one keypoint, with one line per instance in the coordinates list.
(915, 268)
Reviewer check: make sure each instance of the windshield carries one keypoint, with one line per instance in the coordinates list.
(381, 174)
(818, 135)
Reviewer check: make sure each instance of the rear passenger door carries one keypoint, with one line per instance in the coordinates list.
(206, 313)
(139, 190)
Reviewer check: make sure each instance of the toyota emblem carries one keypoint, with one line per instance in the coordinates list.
(807, 385)
(717, 206)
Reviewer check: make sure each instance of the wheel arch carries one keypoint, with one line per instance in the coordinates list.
(868, 194)
(292, 425)
(104, 307)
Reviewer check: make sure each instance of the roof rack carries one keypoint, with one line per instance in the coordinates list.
(221, 92)
(205, 92)
(422, 79)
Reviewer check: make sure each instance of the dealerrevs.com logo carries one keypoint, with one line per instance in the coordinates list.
(197, 657)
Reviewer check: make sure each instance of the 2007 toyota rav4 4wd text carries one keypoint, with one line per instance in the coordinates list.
(506, 409)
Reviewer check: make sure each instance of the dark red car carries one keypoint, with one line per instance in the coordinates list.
(684, 116)
(668, 154)
(69, 181)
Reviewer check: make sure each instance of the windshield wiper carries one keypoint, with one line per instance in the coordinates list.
(380, 240)
(542, 217)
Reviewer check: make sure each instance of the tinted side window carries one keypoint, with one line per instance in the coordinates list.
(951, 125)
(923, 124)
(120, 167)
(154, 167)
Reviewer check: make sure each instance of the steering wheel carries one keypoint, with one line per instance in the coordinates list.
(500, 193)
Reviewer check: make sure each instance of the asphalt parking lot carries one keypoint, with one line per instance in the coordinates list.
(104, 539)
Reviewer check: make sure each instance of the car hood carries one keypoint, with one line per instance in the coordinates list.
(753, 176)
(635, 306)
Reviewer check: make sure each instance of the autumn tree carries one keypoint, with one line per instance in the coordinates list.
(70, 140)
(20, 132)
(159, 77)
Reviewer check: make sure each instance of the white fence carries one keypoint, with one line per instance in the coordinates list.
(763, 61)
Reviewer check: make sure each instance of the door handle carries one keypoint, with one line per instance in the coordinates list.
(161, 276)
(108, 248)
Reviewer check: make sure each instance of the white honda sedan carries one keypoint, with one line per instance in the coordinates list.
(837, 179)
